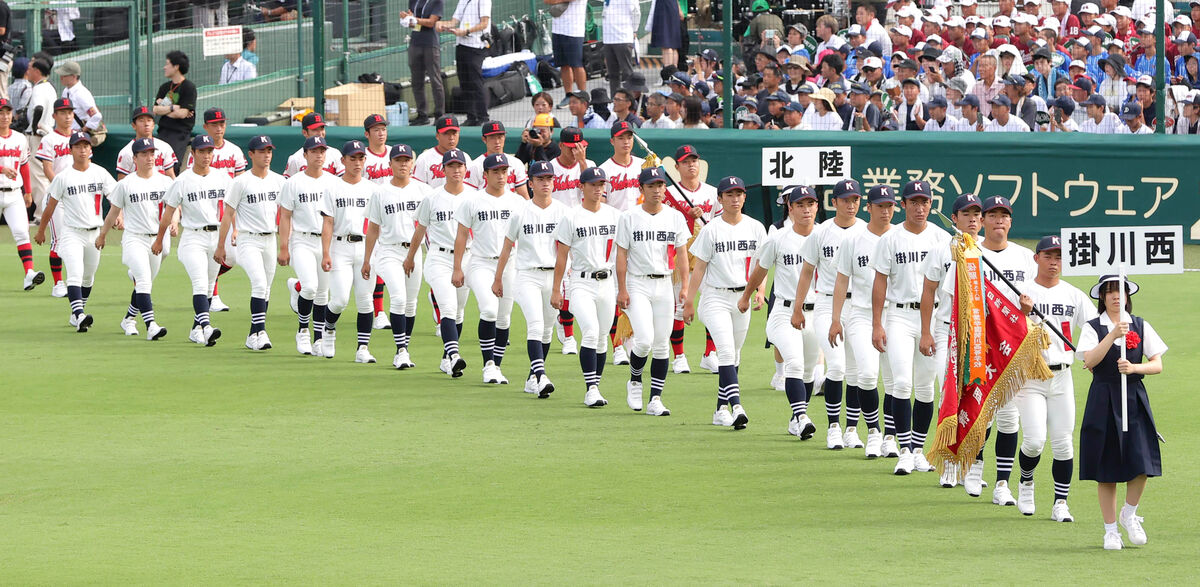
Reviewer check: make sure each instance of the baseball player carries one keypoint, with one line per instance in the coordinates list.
(139, 199)
(483, 220)
(79, 190)
(300, 227)
(819, 252)
(622, 193)
(53, 156)
(377, 169)
(651, 245)
(229, 158)
(252, 199)
(1049, 406)
(197, 193)
(493, 142)
(343, 252)
(313, 125)
(703, 207)
(897, 287)
(142, 121)
(392, 217)
(428, 170)
(724, 251)
(533, 228)
(586, 237)
(814, 371)
(567, 167)
(855, 280)
(435, 220)
(15, 196)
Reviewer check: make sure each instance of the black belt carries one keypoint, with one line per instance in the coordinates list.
(831, 295)
(594, 275)
(806, 307)
(352, 238)
(654, 275)
(208, 228)
(8, 189)
(316, 234)
(736, 289)
(543, 269)
(913, 306)
(260, 233)
(1059, 367)
(406, 245)
(444, 250)
(91, 229)
(152, 234)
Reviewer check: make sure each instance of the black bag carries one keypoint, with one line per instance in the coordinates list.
(593, 59)
(504, 88)
(548, 75)
(392, 92)
(456, 102)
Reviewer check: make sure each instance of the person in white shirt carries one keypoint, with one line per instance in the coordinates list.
(343, 230)
(471, 18)
(87, 116)
(15, 196)
(429, 163)
(656, 115)
(1131, 115)
(484, 218)
(313, 125)
(533, 229)
(143, 128)
(436, 220)
(939, 120)
(1100, 121)
(621, 19)
(392, 216)
(253, 200)
(823, 116)
(40, 113)
(138, 198)
(568, 166)
(622, 169)
(651, 246)
(300, 228)
(724, 250)
(567, 37)
(377, 168)
(1002, 118)
(54, 157)
(79, 191)
(1062, 109)
(237, 69)
(897, 287)
(585, 236)
(910, 112)
(493, 135)
(227, 157)
(865, 15)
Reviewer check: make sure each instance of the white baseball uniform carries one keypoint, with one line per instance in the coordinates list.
(854, 260)
(394, 209)
(80, 197)
(651, 241)
(436, 214)
(566, 181)
(199, 200)
(377, 166)
(428, 168)
(255, 201)
(729, 250)
(488, 218)
(164, 157)
(302, 195)
(517, 174)
(228, 158)
(346, 203)
(296, 164)
(622, 190)
(819, 251)
(55, 148)
(592, 287)
(14, 152)
(799, 348)
(141, 201)
(532, 230)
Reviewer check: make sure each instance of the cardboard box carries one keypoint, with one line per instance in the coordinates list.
(345, 105)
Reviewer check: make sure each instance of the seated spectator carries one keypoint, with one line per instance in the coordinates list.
(865, 115)
(537, 142)
(693, 112)
(1061, 110)
(972, 118)
(748, 121)
(774, 114)
(1002, 119)
(623, 102)
(910, 111)
(237, 69)
(1189, 123)
(823, 117)
(1131, 115)
(675, 109)
(656, 112)
(1100, 121)
(792, 116)
(1144, 93)
(1114, 88)
(542, 103)
(582, 116)
(601, 109)
(938, 120)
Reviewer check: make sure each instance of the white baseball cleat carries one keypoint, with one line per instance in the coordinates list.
(633, 395)
(33, 279)
(216, 305)
(874, 448)
(569, 346)
(973, 482)
(329, 344)
(444, 366)
(850, 438)
(303, 344)
(1133, 528)
(833, 438)
(680, 365)
(1112, 540)
(402, 360)
(722, 417)
(593, 399)
(129, 326)
(920, 463)
(211, 335)
(293, 295)
(545, 387)
(252, 341)
(656, 407)
(531, 384)
(778, 382)
(59, 290)
(381, 322)
(802, 427)
(155, 332)
(82, 323)
(1025, 501)
(457, 365)
(904, 465)
(318, 347)
(363, 355)
(196, 335)
(491, 373)
(1002, 495)
(949, 476)
(890, 449)
(1060, 512)
(264, 341)
(709, 362)
(620, 357)
(740, 419)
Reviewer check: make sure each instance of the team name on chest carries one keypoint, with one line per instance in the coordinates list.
(61, 150)
(538, 228)
(562, 184)
(84, 188)
(141, 197)
(621, 182)
(903, 257)
(436, 171)
(262, 197)
(350, 202)
(790, 259)
(1010, 274)
(376, 171)
(657, 236)
(405, 206)
(1061, 310)
(863, 261)
(226, 163)
(733, 246)
(11, 151)
(308, 197)
(202, 195)
(828, 251)
(596, 230)
(492, 215)
(443, 216)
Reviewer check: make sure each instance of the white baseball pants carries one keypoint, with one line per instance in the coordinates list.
(911, 370)
(719, 313)
(533, 289)
(402, 289)
(1048, 406)
(305, 250)
(347, 260)
(439, 268)
(868, 362)
(196, 249)
(797, 347)
(651, 312)
(14, 215)
(81, 258)
(258, 256)
(480, 274)
(835, 356)
(143, 265)
(593, 302)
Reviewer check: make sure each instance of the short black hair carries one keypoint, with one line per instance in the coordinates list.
(247, 37)
(774, 69)
(41, 65)
(179, 59)
(628, 94)
(1107, 287)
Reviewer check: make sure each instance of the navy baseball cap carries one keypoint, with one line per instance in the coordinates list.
(1000, 100)
(493, 127)
(651, 175)
(937, 102)
(881, 194)
(1130, 111)
(373, 121)
(1083, 83)
(1048, 243)
(911, 81)
(82, 137)
(258, 143)
(143, 145)
(401, 151)
(63, 104)
(997, 203)
(680, 78)
(801, 192)
(857, 88)
(794, 107)
(139, 112)
(454, 156)
(495, 161)
(751, 103)
(838, 87)
(1065, 103)
(313, 143)
(198, 142)
(312, 120)
(847, 188)
(776, 97)
(710, 55)
(916, 189)
(1012, 80)
(214, 115)
(354, 147)
(592, 175)
(701, 88)
(968, 100)
(1096, 100)
(684, 152)
(570, 137)
(731, 182)
(621, 127)
(966, 201)
(540, 169)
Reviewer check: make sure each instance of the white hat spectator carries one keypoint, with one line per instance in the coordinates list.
(855, 30)
(1183, 19)
(909, 11)
(1077, 63)
(935, 39)
(873, 62)
(1185, 37)
(1123, 11)
(967, 2)
(974, 20)
(1001, 21)
(1114, 42)
(956, 21)
(933, 18)
(1107, 20)
(1089, 8)
(1145, 80)
(1008, 48)
(979, 33)
(1034, 2)
(1026, 18)
(1049, 24)
(902, 30)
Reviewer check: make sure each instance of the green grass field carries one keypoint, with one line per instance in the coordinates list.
(124, 461)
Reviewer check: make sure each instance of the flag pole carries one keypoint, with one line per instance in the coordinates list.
(1121, 342)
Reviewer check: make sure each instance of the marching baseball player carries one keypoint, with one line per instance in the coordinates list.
(814, 371)
(533, 229)
(483, 220)
(724, 251)
(622, 193)
(819, 252)
(142, 121)
(392, 216)
(253, 199)
(428, 170)
(703, 207)
(493, 142)
(53, 156)
(855, 280)
(197, 193)
(300, 227)
(1049, 406)
(585, 236)
(343, 252)
(313, 125)
(79, 190)
(139, 199)
(567, 167)
(15, 196)
(377, 169)
(651, 245)
(435, 220)
(229, 158)
(897, 287)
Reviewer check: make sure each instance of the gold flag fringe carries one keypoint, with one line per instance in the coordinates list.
(624, 330)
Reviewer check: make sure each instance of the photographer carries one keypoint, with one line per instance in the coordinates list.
(537, 142)
(471, 23)
(1061, 109)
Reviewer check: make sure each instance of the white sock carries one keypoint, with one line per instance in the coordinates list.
(1110, 527)
(1128, 510)
(778, 369)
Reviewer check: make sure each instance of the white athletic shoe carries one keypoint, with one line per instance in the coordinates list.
(681, 364)
(904, 465)
(264, 341)
(722, 417)
(381, 322)
(890, 449)
(874, 448)
(59, 290)
(196, 335)
(593, 399)
(795, 428)
(33, 279)
(709, 362)
(1025, 501)
(329, 344)
(363, 355)
(777, 382)
(457, 365)
(1133, 528)
(850, 438)
(318, 347)
(740, 419)
(531, 384)
(293, 295)
(82, 323)
(500, 376)
(545, 387)
(819, 380)
(949, 477)
(444, 366)
(1060, 512)
(217, 305)
(490, 373)
(656, 407)
(633, 395)
(155, 332)
(620, 357)
(1112, 541)
(1002, 495)
(807, 428)
(920, 463)
(569, 347)
(833, 438)
(129, 325)
(303, 344)
(211, 335)
(973, 482)
(252, 341)
(402, 360)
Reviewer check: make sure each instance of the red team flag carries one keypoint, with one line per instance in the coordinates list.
(992, 351)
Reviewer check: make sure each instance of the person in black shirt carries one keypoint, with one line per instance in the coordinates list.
(425, 57)
(175, 105)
